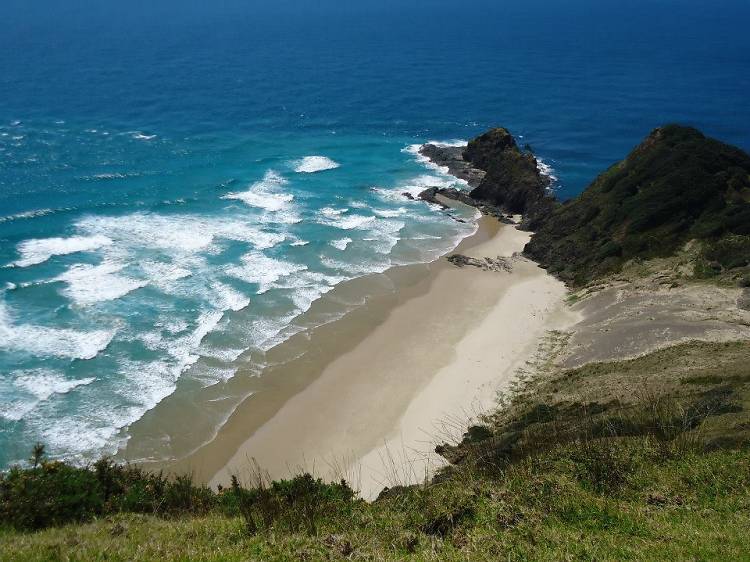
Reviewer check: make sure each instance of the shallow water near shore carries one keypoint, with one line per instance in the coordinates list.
(175, 201)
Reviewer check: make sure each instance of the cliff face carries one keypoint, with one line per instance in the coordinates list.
(676, 186)
(512, 180)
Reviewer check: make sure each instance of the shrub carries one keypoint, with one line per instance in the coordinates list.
(53, 493)
(298, 504)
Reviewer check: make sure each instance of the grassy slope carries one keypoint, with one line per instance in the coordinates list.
(672, 506)
(626, 475)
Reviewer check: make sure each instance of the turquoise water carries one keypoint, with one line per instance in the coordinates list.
(178, 183)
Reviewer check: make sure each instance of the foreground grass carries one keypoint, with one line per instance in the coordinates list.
(646, 459)
(611, 500)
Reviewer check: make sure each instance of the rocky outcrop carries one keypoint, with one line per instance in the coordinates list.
(452, 157)
(487, 264)
(505, 180)
(432, 194)
(512, 178)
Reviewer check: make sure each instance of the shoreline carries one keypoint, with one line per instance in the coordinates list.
(377, 426)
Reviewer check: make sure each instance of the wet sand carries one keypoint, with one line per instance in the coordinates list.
(369, 394)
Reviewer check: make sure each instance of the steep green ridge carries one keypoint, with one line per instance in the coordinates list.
(676, 186)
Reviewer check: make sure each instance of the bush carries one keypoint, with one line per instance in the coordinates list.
(296, 505)
(730, 251)
(53, 493)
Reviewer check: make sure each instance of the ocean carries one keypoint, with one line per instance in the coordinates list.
(179, 183)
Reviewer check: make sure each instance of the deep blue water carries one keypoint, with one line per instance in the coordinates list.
(152, 217)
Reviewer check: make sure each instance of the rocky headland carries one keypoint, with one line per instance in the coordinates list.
(677, 188)
(505, 180)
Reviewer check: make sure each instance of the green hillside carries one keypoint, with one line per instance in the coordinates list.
(676, 186)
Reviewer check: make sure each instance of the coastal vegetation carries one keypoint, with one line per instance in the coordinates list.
(577, 464)
(676, 186)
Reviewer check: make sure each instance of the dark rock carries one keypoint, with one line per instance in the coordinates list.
(457, 195)
(408, 195)
(512, 180)
(486, 264)
(504, 179)
(452, 158)
(430, 195)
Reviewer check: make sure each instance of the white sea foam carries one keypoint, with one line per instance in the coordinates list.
(546, 170)
(109, 176)
(300, 242)
(28, 215)
(384, 235)
(79, 436)
(39, 250)
(141, 386)
(284, 216)
(223, 354)
(228, 298)
(42, 341)
(341, 243)
(175, 235)
(312, 164)
(181, 353)
(89, 284)
(162, 273)
(331, 213)
(449, 143)
(265, 332)
(174, 326)
(138, 135)
(390, 213)
(355, 269)
(257, 268)
(304, 297)
(347, 222)
(209, 376)
(207, 322)
(265, 194)
(41, 384)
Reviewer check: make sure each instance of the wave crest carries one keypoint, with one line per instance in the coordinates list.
(312, 164)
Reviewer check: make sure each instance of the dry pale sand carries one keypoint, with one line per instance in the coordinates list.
(434, 357)
(635, 317)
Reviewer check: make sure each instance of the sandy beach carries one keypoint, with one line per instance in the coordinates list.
(376, 390)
